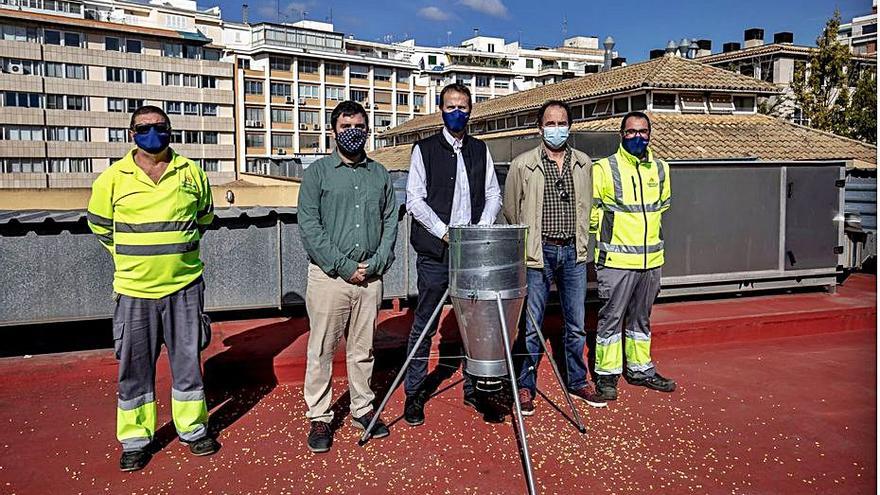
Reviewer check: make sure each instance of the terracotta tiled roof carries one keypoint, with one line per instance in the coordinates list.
(771, 49)
(664, 72)
(695, 137)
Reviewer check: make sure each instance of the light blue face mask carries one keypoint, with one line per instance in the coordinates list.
(556, 137)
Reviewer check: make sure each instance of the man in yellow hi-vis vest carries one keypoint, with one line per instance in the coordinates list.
(631, 191)
(149, 209)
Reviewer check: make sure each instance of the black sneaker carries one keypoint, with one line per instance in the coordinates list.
(655, 382)
(320, 437)
(492, 407)
(472, 400)
(606, 387)
(379, 429)
(204, 446)
(414, 409)
(134, 460)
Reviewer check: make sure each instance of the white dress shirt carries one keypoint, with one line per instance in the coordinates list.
(417, 191)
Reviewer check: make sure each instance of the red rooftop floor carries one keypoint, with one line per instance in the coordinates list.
(777, 395)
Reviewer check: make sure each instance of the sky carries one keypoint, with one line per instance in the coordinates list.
(637, 26)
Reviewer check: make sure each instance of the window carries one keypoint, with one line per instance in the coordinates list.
(603, 107)
(621, 105)
(191, 137)
(359, 71)
(564, 65)
(482, 81)
(280, 63)
(56, 134)
(382, 120)
(502, 83)
(209, 109)
(191, 80)
(253, 87)
(253, 114)
(72, 39)
(23, 165)
(480, 98)
(335, 93)
(176, 136)
(54, 69)
(111, 44)
(79, 165)
(692, 103)
(401, 119)
(174, 50)
(134, 76)
(210, 165)
(75, 71)
(133, 46)
(721, 104)
(308, 91)
(381, 74)
(244, 63)
(254, 140)
(51, 37)
(209, 82)
(744, 103)
(76, 134)
(115, 105)
(869, 29)
(55, 102)
(638, 103)
(360, 95)
(310, 142)
(76, 103)
(210, 137)
(118, 135)
(402, 99)
(19, 33)
(577, 113)
(282, 140)
(491, 47)
(210, 54)
(747, 70)
(115, 74)
(175, 21)
(308, 117)
(281, 115)
(432, 59)
(190, 108)
(26, 67)
(172, 79)
(382, 97)
(308, 67)
(173, 107)
(133, 104)
(530, 63)
(663, 101)
(337, 70)
(279, 89)
(23, 133)
(190, 51)
(403, 76)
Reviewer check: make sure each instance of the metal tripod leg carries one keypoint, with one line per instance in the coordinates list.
(530, 477)
(368, 432)
(577, 418)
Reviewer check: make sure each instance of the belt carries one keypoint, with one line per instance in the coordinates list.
(559, 242)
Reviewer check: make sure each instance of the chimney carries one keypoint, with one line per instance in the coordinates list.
(591, 69)
(683, 46)
(783, 37)
(476, 32)
(730, 47)
(657, 53)
(618, 62)
(244, 13)
(671, 48)
(609, 45)
(704, 48)
(754, 37)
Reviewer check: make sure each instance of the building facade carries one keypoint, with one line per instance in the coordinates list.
(860, 34)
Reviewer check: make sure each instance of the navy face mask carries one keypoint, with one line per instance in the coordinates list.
(351, 141)
(152, 141)
(456, 120)
(635, 145)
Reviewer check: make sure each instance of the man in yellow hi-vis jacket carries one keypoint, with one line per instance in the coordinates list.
(149, 209)
(631, 191)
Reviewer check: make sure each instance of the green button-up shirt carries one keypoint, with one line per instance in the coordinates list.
(347, 215)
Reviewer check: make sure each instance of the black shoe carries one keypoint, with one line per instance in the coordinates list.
(204, 446)
(379, 429)
(655, 382)
(606, 387)
(414, 409)
(320, 437)
(492, 407)
(134, 460)
(472, 400)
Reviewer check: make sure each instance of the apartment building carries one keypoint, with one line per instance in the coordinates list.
(73, 71)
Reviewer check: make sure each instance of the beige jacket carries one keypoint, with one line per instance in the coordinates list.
(524, 201)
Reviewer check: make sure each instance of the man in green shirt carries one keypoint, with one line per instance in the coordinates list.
(348, 218)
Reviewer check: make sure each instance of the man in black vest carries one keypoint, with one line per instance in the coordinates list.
(451, 182)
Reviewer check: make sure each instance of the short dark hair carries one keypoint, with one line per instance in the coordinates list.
(458, 88)
(554, 103)
(148, 109)
(348, 108)
(634, 115)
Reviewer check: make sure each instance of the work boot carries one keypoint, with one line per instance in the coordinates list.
(414, 409)
(654, 382)
(492, 407)
(606, 387)
(526, 402)
(204, 446)
(379, 429)
(320, 437)
(587, 395)
(134, 460)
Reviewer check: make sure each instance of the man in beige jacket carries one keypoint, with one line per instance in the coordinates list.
(550, 189)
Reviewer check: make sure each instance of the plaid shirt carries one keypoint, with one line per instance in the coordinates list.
(559, 216)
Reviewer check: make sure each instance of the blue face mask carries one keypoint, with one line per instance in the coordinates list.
(153, 141)
(556, 137)
(456, 120)
(635, 145)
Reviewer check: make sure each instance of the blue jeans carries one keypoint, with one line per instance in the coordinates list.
(560, 264)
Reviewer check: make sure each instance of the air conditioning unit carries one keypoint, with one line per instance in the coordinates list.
(367, 105)
(303, 127)
(249, 123)
(15, 68)
(258, 123)
(317, 127)
(417, 108)
(281, 151)
(327, 126)
(290, 99)
(302, 101)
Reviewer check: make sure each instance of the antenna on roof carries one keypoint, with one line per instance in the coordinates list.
(330, 17)
(564, 27)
